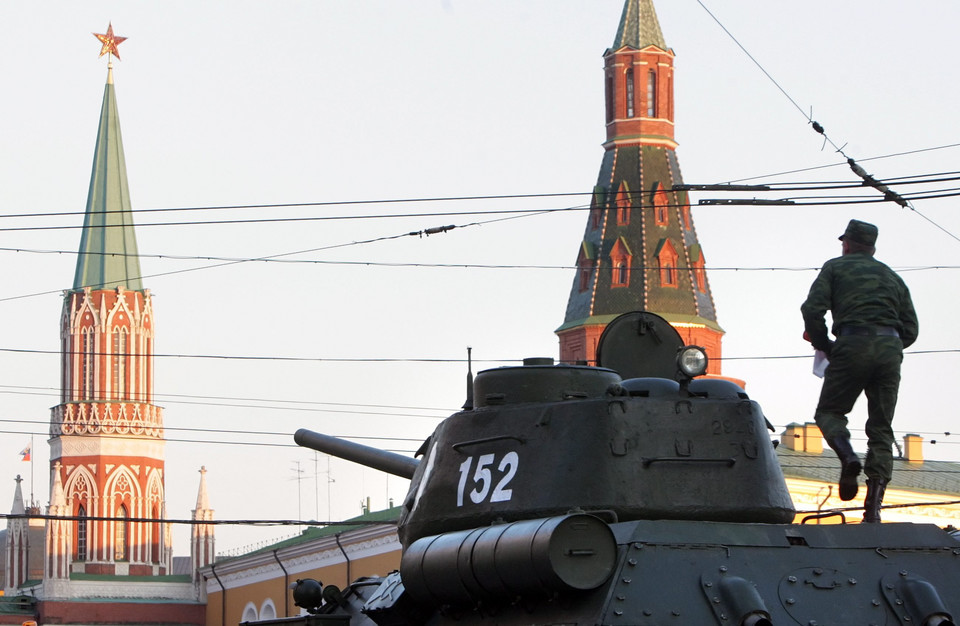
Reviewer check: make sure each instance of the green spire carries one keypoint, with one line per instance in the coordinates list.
(108, 246)
(639, 26)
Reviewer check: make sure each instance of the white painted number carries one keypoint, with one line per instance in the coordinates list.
(483, 478)
(509, 466)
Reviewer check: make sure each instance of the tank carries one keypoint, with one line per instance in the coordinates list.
(635, 492)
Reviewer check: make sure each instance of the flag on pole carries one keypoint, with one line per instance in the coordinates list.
(25, 453)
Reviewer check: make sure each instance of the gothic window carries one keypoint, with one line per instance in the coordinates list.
(120, 535)
(667, 264)
(651, 93)
(156, 537)
(597, 202)
(699, 271)
(86, 364)
(630, 111)
(621, 274)
(81, 534)
(119, 363)
(624, 205)
(660, 206)
(620, 259)
(609, 87)
(586, 268)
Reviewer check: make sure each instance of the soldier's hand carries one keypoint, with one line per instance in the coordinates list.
(828, 347)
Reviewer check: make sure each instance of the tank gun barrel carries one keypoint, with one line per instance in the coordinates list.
(388, 462)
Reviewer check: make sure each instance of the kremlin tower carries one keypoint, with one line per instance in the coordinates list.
(640, 248)
(107, 554)
(106, 435)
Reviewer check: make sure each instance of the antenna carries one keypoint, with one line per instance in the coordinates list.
(299, 479)
(468, 405)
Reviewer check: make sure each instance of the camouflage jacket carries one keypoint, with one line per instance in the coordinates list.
(859, 291)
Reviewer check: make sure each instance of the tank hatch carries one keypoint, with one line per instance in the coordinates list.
(640, 345)
(539, 380)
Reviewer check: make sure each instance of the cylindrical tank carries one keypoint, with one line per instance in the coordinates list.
(565, 553)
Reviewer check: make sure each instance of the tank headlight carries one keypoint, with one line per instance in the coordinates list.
(692, 361)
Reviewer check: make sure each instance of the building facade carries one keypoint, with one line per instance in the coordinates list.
(257, 586)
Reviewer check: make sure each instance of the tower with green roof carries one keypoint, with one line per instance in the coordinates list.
(640, 249)
(106, 435)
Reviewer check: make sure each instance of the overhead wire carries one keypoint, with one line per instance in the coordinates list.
(227, 261)
(326, 204)
(810, 186)
(888, 194)
(196, 522)
(232, 442)
(420, 233)
(506, 215)
(310, 218)
(844, 163)
(166, 398)
(230, 431)
(402, 360)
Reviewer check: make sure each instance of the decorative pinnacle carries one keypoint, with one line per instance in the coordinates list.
(109, 42)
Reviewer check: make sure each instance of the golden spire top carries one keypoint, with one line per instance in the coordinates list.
(110, 42)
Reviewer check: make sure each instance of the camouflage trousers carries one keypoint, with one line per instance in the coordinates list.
(870, 365)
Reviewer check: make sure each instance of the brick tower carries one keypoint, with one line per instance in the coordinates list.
(640, 248)
(106, 435)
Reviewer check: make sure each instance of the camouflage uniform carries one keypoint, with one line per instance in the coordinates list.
(868, 301)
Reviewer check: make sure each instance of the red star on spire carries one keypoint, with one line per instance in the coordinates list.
(110, 42)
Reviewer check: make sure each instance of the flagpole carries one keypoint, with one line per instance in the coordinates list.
(32, 501)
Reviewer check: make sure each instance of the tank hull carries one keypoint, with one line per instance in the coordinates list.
(692, 572)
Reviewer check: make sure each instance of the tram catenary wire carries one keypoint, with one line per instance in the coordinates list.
(814, 185)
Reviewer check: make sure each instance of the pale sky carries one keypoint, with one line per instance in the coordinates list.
(245, 103)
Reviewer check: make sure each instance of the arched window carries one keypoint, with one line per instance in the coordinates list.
(630, 111)
(86, 364)
(620, 259)
(651, 93)
(609, 87)
(660, 205)
(586, 268)
(268, 610)
(621, 274)
(667, 263)
(697, 263)
(119, 363)
(597, 202)
(81, 534)
(249, 613)
(120, 535)
(157, 536)
(624, 204)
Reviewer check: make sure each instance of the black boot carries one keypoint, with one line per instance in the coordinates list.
(850, 467)
(871, 504)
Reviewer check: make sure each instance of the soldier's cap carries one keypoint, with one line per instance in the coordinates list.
(861, 232)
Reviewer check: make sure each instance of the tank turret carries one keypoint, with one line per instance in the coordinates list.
(542, 440)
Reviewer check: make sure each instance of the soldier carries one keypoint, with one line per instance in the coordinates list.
(873, 321)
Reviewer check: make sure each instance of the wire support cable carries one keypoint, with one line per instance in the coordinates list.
(195, 522)
(888, 194)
